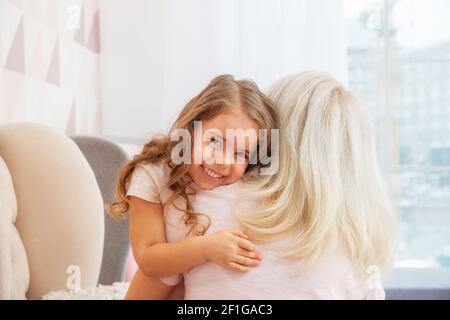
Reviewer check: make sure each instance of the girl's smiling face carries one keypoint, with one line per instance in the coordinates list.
(217, 161)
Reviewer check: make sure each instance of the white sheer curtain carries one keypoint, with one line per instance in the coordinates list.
(258, 39)
(193, 41)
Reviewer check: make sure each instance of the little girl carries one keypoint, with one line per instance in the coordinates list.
(155, 185)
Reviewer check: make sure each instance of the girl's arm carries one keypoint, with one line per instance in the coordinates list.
(156, 257)
(143, 287)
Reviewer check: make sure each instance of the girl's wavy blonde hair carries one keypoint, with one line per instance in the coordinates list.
(221, 93)
(328, 189)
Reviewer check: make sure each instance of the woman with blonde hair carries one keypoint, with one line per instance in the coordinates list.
(322, 220)
(329, 188)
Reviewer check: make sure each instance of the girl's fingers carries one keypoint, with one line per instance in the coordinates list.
(236, 267)
(244, 261)
(239, 233)
(245, 244)
(249, 254)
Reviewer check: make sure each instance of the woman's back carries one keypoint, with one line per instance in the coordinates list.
(275, 277)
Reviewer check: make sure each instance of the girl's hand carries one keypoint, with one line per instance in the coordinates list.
(231, 250)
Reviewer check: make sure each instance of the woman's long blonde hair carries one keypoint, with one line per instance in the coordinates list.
(221, 93)
(328, 189)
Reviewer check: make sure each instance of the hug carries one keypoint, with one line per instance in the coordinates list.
(309, 219)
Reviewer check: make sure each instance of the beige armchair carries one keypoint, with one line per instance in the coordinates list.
(51, 213)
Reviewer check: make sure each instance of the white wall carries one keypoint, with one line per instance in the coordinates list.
(158, 54)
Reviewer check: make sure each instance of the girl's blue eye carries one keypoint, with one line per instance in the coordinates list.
(216, 141)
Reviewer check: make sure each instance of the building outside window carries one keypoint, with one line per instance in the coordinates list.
(399, 66)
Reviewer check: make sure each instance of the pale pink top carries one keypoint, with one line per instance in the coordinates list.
(275, 278)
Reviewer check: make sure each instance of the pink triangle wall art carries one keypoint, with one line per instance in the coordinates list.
(53, 76)
(93, 43)
(15, 60)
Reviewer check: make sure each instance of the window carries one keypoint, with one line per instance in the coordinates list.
(399, 57)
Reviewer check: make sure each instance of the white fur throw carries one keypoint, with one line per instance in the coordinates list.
(115, 292)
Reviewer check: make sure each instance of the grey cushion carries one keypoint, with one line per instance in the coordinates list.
(105, 158)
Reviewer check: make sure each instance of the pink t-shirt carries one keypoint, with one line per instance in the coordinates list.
(275, 278)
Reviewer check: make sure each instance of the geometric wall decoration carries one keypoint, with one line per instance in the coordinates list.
(53, 70)
(38, 49)
(15, 60)
(93, 42)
